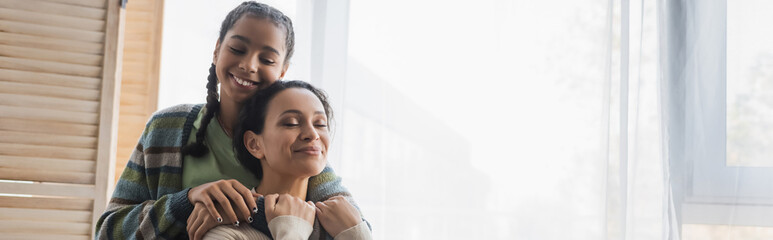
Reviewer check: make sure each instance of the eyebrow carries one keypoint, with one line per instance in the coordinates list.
(247, 41)
(299, 112)
(243, 38)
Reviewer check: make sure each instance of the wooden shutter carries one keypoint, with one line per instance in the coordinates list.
(139, 82)
(59, 61)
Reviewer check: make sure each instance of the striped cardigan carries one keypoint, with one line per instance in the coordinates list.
(149, 201)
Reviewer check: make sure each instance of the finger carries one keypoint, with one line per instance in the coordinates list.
(226, 205)
(189, 221)
(322, 206)
(282, 200)
(199, 234)
(239, 202)
(211, 209)
(206, 224)
(195, 227)
(270, 202)
(249, 198)
(337, 197)
(192, 219)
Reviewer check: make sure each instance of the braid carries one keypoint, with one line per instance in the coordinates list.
(198, 148)
(251, 8)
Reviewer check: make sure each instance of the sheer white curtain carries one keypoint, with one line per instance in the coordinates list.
(638, 186)
(566, 119)
(499, 119)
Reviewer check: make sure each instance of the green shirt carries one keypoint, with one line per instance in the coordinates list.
(219, 163)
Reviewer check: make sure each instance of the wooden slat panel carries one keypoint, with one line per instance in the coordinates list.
(109, 105)
(138, 88)
(49, 91)
(125, 150)
(46, 176)
(38, 126)
(49, 79)
(132, 75)
(134, 109)
(135, 56)
(38, 236)
(137, 65)
(132, 31)
(143, 6)
(47, 164)
(47, 139)
(49, 67)
(45, 215)
(131, 134)
(46, 189)
(19, 226)
(46, 203)
(55, 8)
(61, 45)
(15, 149)
(146, 25)
(137, 46)
(138, 16)
(51, 32)
(50, 55)
(132, 97)
(31, 101)
(52, 20)
(133, 80)
(86, 3)
(139, 36)
(135, 119)
(48, 115)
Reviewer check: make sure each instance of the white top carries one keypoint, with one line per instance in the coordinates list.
(284, 228)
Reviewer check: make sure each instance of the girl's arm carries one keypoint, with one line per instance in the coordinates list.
(148, 201)
(136, 211)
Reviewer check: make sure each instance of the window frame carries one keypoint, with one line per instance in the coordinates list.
(712, 192)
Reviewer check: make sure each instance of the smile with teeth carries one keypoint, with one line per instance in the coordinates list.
(246, 83)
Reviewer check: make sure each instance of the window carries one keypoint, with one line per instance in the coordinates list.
(728, 114)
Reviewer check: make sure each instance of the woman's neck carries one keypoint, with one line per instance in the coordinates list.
(228, 115)
(275, 183)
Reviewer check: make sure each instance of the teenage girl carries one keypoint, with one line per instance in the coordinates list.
(185, 155)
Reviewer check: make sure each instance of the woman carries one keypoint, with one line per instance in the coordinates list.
(283, 138)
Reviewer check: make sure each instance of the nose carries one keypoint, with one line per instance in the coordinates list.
(309, 133)
(249, 64)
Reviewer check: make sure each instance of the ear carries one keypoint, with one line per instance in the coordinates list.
(216, 52)
(254, 144)
(284, 70)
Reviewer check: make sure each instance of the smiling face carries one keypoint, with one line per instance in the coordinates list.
(251, 56)
(295, 137)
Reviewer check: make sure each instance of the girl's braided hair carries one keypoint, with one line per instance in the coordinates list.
(252, 9)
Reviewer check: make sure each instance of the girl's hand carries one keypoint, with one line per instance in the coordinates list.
(285, 204)
(337, 214)
(222, 193)
(200, 222)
